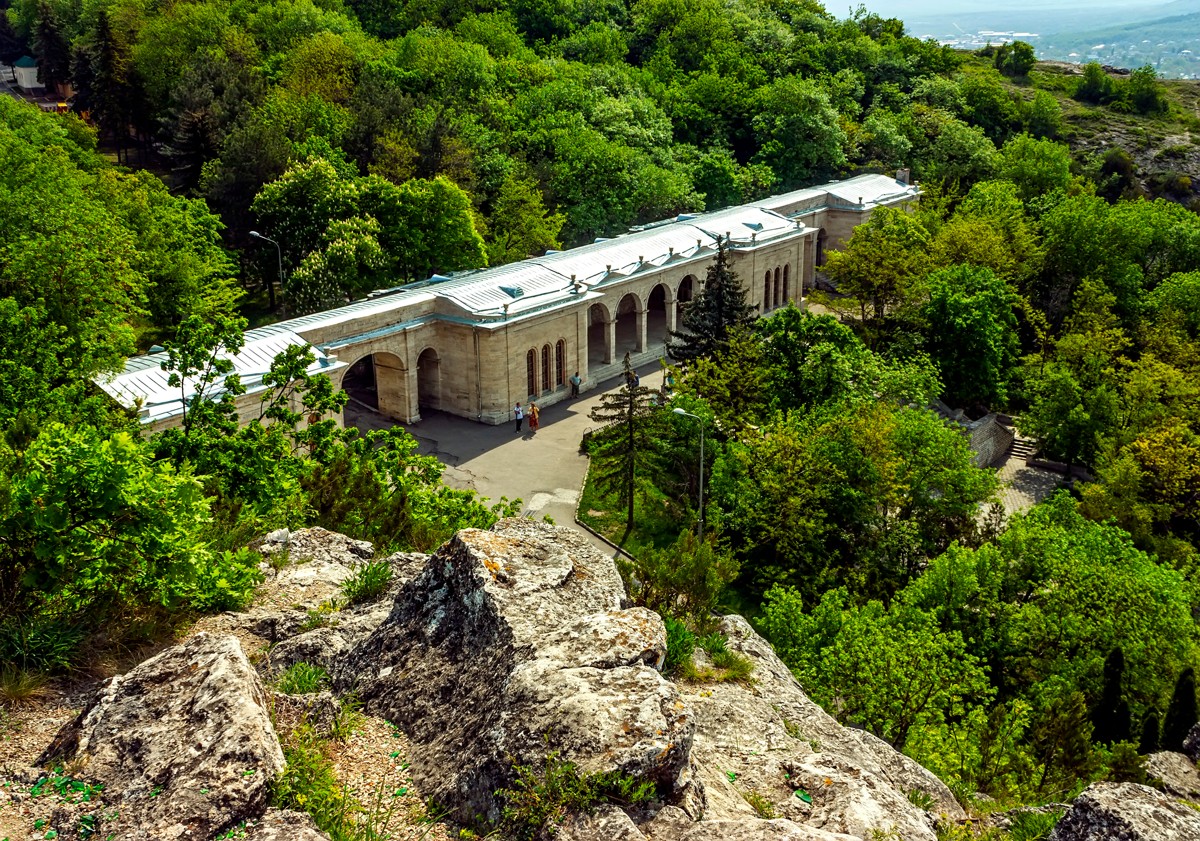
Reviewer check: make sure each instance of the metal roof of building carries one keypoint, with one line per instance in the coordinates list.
(143, 383)
(515, 289)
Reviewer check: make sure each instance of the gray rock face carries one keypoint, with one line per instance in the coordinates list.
(325, 646)
(1126, 812)
(1191, 743)
(512, 638)
(319, 710)
(1179, 775)
(779, 745)
(183, 743)
(285, 825)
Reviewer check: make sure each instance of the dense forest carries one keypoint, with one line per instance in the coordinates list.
(379, 141)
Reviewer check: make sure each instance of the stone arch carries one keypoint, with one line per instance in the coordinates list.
(600, 351)
(379, 380)
(687, 289)
(630, 325)
(659, 314)
(429, 379)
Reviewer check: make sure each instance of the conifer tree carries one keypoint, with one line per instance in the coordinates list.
(627, 449)
(1063, 738)
(1111, 721)
(1150, 738)
(1181, 714)
(53, 52)
(714, 314)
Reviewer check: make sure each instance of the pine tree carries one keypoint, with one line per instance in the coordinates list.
(1181, 714)
(628, 448)
(1063, 737)
(714, 314)
(53, 52)
(1150, 738)
(112, 94)
(1111, 720)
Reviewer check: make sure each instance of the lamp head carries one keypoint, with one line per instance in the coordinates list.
(256, 234)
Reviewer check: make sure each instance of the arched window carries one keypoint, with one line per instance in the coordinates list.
(767, 291)
(786, 295)
(560, 363)
(546, 368)
(531, 372)
(778, 286)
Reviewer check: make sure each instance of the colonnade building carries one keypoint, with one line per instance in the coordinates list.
(476, 342)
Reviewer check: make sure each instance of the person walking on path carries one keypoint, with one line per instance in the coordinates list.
(534, 418)
(519, 416)
(575, 383)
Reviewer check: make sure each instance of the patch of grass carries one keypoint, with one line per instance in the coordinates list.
(681, 642)
(727, 665)
(320, 617)
(279, 560)
(40, 643)
(761, 805)
(349, 718)
(923, 800)
(308, 784)
(302, 679)
(369, 581)
(1032, 826)
(21, 687)
(542, 798)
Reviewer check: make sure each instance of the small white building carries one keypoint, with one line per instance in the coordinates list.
(25, 70)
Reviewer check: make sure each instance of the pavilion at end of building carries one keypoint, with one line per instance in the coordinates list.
(475, 343)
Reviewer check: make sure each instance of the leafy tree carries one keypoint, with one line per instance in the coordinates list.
(972, 334)
(1015, 59)
(520, 226)
(624, 454)
(884, 262)
(797, 130)
(715, 314)
(199, 363)
(1181, 713)
(1036, 167)
(1094, 86)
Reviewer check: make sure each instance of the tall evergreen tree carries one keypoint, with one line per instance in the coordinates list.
(1181, 714)
(51, 47)
(1062, 738)
(714, 314)
(112, 99)
(627, 448)
(1111, 720)
(1150, 740)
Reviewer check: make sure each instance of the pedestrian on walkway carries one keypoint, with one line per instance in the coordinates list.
(519, 416)
(575, 383)
(534, 418)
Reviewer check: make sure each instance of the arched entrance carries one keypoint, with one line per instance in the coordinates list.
(687, 289)
(821, 236)
(379, 380)
(658, 315)
(600, 352)
(629, 326)
(429, 380)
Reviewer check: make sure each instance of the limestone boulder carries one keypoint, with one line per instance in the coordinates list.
(1191, 743)
(319, 710)
(768, 741)
(608, 823)
(1126, 812)
(325, 646)
(512, 643)
(1179, 775)
(183, 743)
(285, 825)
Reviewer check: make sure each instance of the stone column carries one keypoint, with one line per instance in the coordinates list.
(672, 317)
(391, 388)
(610, 341)
(641, 325)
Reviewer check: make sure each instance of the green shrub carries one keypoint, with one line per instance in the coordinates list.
(308, 784)
(42, 643)
(684, 580)
(546, 796)
(368, 582)
(1032, 826)
(302, 679)
(227, 583)
(681, 642)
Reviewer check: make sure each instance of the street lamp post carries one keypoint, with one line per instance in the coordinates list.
(279, 254)
(697, 417)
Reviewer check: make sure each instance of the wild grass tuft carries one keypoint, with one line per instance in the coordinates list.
(302, 679)
(368, 582)
(21, 687)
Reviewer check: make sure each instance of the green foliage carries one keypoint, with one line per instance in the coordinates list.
(681, 642)
(714, 316)
(302, 679)
(1181, 712)
(369, 581)
(307, 784)
(542, 797)
(684, 580)
(1015, 59)
(227, 582)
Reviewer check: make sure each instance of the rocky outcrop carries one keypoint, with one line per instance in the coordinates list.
(770, 741)
(285, 825)
(1126, 812)
(512, 643)
(183, 743)
(1191, 743)
(1178, 775)
(319, 710)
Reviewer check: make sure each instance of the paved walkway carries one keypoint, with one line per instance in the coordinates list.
(1022, 486)
(545, 470)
